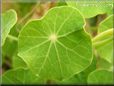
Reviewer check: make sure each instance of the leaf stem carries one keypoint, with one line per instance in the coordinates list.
(25, 17)
(13, 37)
(98, 40)
(100, 43)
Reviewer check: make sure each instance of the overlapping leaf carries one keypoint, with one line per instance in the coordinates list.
(100, 77)
(104, 64)
(56, 47)
(93, 7)
(19, 76)
(106, 24)
(81, 78)
(9, 19)
(18, 62)
(103, 44)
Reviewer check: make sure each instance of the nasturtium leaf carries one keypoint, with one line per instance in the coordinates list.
(19, 76)
(56, 47)
(9, 19)
(100, 77)
(92, 8)
(106, 24)
(18, 62)
(81, 78)
(103, 44)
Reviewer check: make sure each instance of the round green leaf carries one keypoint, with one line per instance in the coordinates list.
(19, 76)
(56, 47)
(9, 18)
(100, 77)
(92, 8)
(106, 24)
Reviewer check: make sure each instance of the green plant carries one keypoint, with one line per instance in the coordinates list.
(8, 21)
(57, 49)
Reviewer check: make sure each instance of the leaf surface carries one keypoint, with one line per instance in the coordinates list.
(100, 77)
(93, 7)
(9, 18)
(18, 62)
(56, 47)
(81, 78)
(106, 24)
(19, 76)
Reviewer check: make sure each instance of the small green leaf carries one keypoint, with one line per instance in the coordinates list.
(100, 77)
(9, 19)
(19, 76)
(103, 44)
(56, 46)
(106, 24)
(92, 8)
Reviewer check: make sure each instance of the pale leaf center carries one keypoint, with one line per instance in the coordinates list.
(53, 37)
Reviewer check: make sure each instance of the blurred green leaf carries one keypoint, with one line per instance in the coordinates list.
(92, 8)
(100, 77)
(25, 8)
(61, 3)
(19, 76)
(104, 64)
(9, 48)
(106, 24)
(103, 44)
(9, 19)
